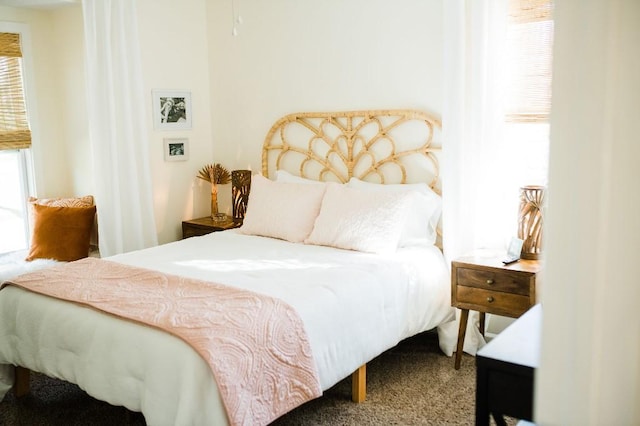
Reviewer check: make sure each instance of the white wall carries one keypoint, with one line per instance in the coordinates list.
(53, 176)
(68, 102)
(174, 51)
(289, 55)
(305, 55)
(590, 364)
(57, 100)
(174, 56)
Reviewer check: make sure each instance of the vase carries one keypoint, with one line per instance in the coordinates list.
(214, 200)
(530, 221)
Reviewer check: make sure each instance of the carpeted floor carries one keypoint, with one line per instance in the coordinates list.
(411, 384)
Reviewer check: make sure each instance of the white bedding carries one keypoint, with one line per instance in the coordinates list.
(354, 306)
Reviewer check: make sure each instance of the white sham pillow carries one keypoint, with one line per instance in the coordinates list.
(421, 225)
(285, 176)
(354, 219)
(281, 210)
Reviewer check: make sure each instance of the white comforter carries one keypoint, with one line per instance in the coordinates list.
(354, 307)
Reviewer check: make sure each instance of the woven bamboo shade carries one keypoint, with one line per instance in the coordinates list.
(524, 11)
(529, 60)
(14, 126)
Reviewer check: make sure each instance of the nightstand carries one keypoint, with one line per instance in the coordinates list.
(205, 225)
(485, 284)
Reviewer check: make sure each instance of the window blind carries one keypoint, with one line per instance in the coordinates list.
(14, 126)
(529, 60)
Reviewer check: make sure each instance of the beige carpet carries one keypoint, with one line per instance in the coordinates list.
(411, 384)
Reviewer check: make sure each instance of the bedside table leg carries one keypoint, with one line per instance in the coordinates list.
(464, 316)
(482, 323)
(21, 385)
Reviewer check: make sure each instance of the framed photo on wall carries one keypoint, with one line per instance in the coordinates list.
(171, 109)
(176, 149)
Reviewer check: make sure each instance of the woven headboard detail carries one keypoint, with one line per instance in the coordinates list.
(384, 146)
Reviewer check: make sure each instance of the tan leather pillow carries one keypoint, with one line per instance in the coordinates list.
(83, 201)
(61, 233)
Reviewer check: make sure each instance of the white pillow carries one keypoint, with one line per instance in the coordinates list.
(424, 212)
(360, 220)
(285, 176)
(281, 210)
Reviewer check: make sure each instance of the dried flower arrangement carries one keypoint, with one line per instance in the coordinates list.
(215, 174)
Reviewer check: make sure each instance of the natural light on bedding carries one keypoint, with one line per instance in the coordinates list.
(253, 265)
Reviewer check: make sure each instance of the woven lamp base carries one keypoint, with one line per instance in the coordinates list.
(530, 221)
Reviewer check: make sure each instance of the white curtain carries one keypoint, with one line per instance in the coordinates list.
(479, 201)
(123, 187)
(476, 190)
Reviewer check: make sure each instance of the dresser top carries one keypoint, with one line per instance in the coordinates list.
(519, 343)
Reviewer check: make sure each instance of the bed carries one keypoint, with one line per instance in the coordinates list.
(341, 231)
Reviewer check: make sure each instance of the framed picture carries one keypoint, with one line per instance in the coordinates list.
(171, 109)
(176, 149)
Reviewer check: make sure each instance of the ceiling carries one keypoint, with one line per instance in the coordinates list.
(38, 4)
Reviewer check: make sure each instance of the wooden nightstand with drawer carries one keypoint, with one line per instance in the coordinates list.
(486, 285)
(206, 225)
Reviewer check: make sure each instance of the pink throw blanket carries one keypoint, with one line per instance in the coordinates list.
(255, 345)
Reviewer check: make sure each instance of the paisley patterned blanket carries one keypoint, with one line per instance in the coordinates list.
(256, 345)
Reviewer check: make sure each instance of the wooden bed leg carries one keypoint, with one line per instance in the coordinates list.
(21, 383)
(359, 384)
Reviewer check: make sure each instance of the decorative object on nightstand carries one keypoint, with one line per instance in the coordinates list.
(530, 220)
(240, 187)
(216, 175)
(483, 283)
(206, 225)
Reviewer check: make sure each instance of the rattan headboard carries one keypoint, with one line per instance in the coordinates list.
(384, 146)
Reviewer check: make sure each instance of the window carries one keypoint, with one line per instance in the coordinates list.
(13, 213)
(529, 47)
(15, 143)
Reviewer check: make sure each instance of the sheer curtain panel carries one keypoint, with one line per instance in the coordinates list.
(123, 187)
(480, 211)
(479, 204)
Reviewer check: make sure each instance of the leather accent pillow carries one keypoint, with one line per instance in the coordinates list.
(61, 233)
(83, 201)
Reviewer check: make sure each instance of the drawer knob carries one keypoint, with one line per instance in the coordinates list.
(489, 281)
(490, 299)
